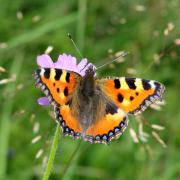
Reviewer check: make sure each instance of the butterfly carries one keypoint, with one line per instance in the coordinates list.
(92, 108)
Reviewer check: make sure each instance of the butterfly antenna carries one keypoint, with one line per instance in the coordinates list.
(74, 44)
(123, 54)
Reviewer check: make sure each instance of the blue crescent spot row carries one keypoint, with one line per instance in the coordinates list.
(106, 138)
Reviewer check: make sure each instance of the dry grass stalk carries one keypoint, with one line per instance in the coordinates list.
(156, 58)
(36, 18)
(169, 28)
(157, 127)
(2, 69)
(20, 86)
(44, 162)
(32, 117)
(19, 15)
(39, 153)
(143, 136)
(140, 8)
(49, 49)
(177, 41)
(36, 127)
(133, 135)
(3, 45)
(36, 139)
(157, 137)
(6, 81)
(155, 107)
(131, 71)
(111, 66)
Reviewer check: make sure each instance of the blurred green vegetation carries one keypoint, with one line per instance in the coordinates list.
(100, 28)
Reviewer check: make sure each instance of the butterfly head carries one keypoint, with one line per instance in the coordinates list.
(90, 71)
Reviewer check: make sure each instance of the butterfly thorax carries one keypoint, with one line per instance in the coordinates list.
(87, 84)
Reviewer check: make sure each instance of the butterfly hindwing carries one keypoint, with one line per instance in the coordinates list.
(57, 84)
(110, 126)
(132, 95)
(69, 124)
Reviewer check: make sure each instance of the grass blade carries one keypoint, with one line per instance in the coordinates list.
(6, 117)
(43, 29)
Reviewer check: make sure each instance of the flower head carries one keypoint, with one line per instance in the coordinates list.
(65, 62)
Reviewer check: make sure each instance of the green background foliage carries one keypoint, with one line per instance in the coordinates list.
(98, 27)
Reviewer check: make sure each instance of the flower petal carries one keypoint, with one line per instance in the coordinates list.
(45, 61)
(82, 64)
(43, 101)
(66, 62)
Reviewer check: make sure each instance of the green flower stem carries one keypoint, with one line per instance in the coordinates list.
(71, 164)
(52, 155)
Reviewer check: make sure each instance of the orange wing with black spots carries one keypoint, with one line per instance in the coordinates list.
(57, 84)
(110, 126)
(69, 124)
(133, 95)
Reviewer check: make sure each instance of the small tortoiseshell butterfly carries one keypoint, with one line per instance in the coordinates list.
(93, 108)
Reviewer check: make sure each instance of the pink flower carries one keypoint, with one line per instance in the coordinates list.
(66, 62)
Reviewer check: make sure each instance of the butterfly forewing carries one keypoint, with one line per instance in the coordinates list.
(57, 84)
(132, 95)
